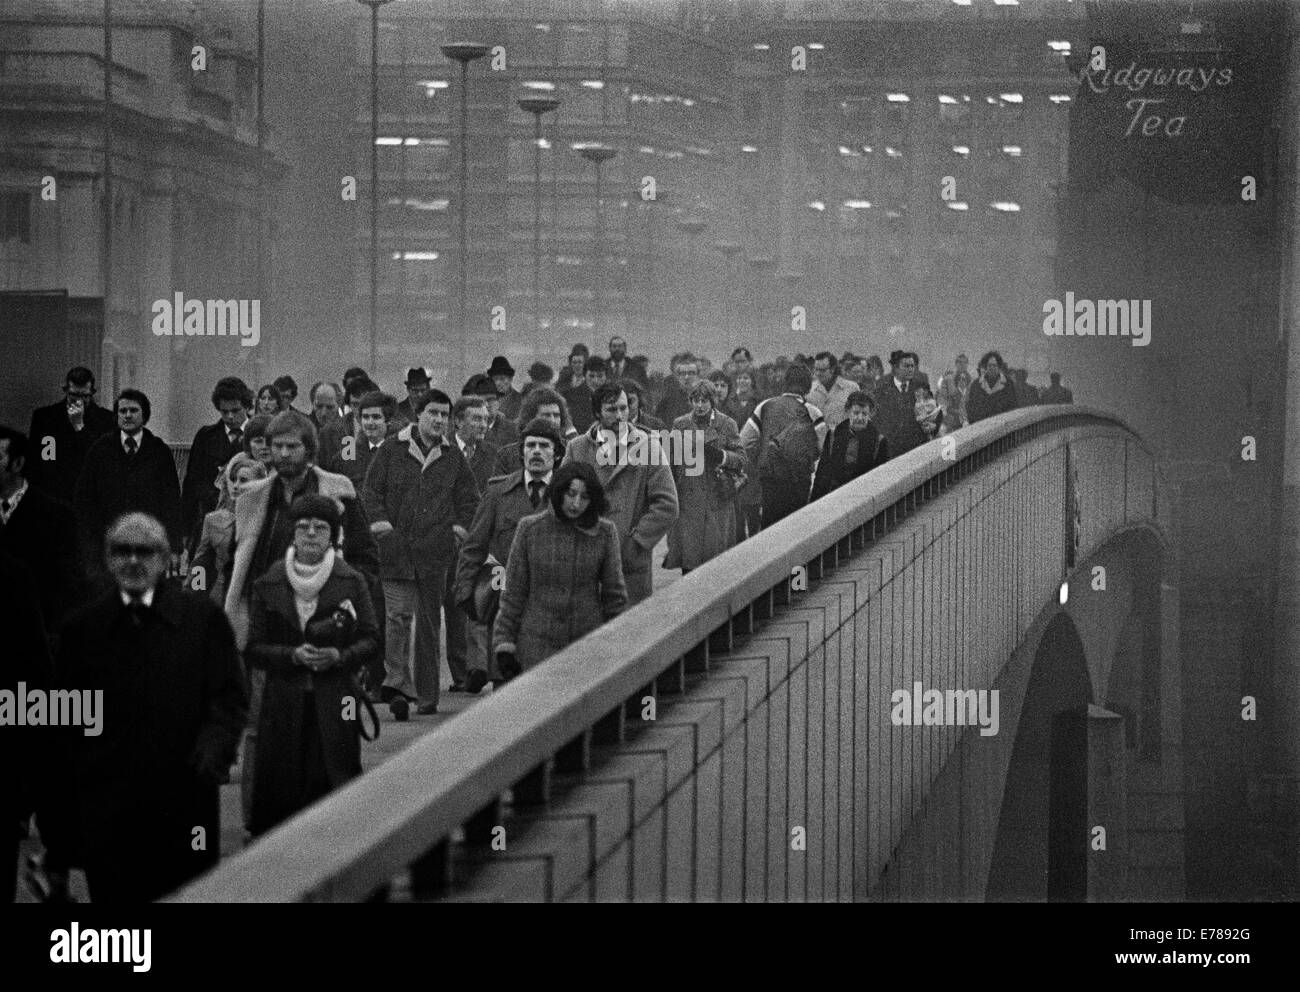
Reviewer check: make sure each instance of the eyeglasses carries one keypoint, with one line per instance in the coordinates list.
(311, 526)
(123, 550)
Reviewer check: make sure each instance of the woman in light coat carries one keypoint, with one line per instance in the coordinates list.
(564, 576)
(706, 521)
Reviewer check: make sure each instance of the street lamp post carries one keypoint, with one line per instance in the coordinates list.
(374, 6)
(464, 53)
(763, 267)
(692, 226)
(598, 155)
(729, 250)
(537, 105)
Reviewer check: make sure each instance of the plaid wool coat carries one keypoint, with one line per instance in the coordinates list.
(562, 582)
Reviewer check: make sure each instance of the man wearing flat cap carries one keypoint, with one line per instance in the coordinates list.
(418, 385)
(502, 376)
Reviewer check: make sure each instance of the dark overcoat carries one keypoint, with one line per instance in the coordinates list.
(423, 500)
(504, 504)
(209, 452)
(562, 582)
(112, 484)
(42, 533)
(896, 416)
(274, 633)
(173, 696)
(57, 475)
(983, 402)
(832, 470)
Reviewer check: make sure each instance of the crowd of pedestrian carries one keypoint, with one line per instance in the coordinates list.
(307, 563)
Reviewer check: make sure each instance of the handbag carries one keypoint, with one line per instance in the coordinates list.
(337, 630)
(484, 598)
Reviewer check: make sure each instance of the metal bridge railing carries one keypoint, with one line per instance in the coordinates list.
(420, 825)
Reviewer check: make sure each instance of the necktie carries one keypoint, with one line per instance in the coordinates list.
(130, 445)
(136, 611)
(236, 435)
(535, 493)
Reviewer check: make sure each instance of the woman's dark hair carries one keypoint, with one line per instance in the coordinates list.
(274, 393)
(257, 427)
(315, 506)
(564, 475)
(717, 375)
(984, 360)
(135, 396)
(859, 397)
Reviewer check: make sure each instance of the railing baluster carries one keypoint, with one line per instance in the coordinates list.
(478, 828)
(534, 789)
(673, 681)
(576, 755)
(431, 873)
(611, 728)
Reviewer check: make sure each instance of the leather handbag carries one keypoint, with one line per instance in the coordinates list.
(338, 630)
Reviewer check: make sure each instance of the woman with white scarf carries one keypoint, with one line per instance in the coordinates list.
(312, 628)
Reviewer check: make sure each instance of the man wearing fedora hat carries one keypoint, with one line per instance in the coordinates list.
(502, 376)
(418, 385)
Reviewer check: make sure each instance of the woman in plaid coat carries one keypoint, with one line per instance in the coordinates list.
(564, 577)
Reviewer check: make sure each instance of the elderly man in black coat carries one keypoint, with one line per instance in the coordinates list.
(213, 446)
(128, 469)
(62, 434)
(38, 530)
(140, 808)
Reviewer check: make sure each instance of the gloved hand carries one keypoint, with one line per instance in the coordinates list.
(713, 454)
(507, 665)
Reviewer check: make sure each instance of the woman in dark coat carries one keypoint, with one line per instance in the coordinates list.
(854, 448)
(706, 520)
(991, 393)
(312, 628)
(564, 577)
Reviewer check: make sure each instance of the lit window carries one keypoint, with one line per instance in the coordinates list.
(415, 256)
(898, 98)
(538, 84)
(1013, 98)
(961, 149)
(816, 46)
(762, 48)
(594, 84)
(958, 205)
(945, 98)
(748, 148)
(1012, 150)
(1006, 207)
(1059, 98)
(817, 205)
(388, 141)
(858, 204)
(893, 153)
(1059, 46)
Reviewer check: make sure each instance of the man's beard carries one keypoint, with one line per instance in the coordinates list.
(292, 470)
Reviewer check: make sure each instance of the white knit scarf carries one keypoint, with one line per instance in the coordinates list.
(307, 582)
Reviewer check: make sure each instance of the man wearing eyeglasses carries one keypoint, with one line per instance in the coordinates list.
(63, 432)
(139, 802)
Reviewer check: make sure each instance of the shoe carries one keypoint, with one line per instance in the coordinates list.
(400, 708)
(457, 687)
(427, 709)
(475, 682)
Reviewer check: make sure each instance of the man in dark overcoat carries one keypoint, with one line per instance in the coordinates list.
(141, 792)
(62, 433)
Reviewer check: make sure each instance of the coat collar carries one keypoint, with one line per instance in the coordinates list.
(280, 595)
